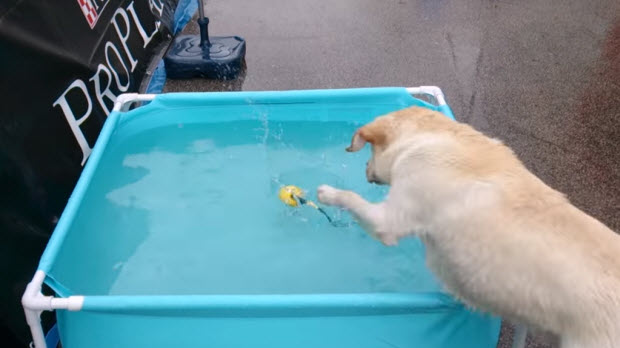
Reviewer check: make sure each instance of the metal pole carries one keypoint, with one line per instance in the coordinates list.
(203, 23)
(201, 9)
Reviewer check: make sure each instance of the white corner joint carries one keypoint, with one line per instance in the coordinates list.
(431, 90)
(123, 101)
(34, 303)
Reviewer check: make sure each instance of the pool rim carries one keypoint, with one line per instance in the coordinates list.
(34, 302)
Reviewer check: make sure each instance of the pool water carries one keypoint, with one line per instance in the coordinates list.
(193, 209)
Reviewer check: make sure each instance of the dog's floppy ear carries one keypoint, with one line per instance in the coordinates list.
(357, 143)
(371, 133)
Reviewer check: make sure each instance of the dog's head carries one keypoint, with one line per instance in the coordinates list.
(386, 132)
(378, 133)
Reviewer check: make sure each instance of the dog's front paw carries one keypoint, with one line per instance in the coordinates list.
(328, 195)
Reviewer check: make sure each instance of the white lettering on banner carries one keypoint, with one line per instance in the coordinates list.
(99, 93)
(121, 87)
(125, 37)
(74, 122)
(146, 38)
(107, 71)
(158, 5)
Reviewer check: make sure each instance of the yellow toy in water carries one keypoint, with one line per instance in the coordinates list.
(293, 196)
(288, 193)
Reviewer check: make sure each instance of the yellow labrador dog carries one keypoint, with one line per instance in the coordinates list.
(496, 236)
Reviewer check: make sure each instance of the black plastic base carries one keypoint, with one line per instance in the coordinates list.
(223, 60)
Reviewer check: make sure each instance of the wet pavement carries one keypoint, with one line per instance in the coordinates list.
(544, 76)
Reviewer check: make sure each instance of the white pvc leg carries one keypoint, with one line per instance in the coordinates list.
(518, 339)
(34, 303)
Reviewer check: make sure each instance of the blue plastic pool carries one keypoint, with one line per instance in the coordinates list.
(175, 236)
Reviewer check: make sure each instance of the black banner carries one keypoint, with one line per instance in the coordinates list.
(62, 64)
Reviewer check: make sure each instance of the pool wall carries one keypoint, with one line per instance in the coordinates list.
(328, 320)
